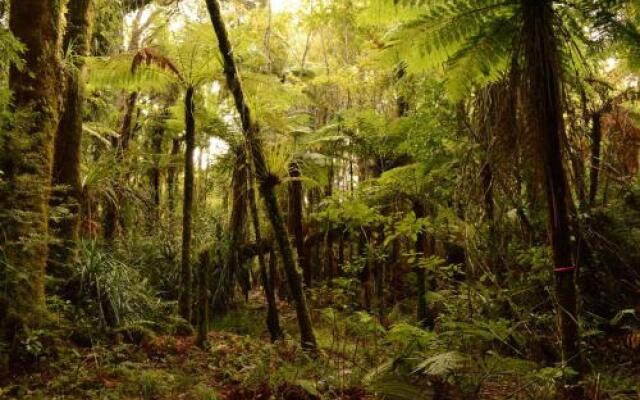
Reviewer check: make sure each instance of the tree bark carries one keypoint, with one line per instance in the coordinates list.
(543, 92)
(265, 179)
(26, 162)
(187, 206)
(66, 181)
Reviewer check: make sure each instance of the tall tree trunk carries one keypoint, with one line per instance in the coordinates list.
(422, 311)
(66, 181)
(265, 179)
(26, 162)
(295, 221)
(543, 92)
(596, 140)
(267, 276)
(187, 206)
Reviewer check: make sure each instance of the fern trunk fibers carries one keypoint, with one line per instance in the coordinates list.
(422, 311)
(265, 179)
(66, 181)
(543, 91)
(596, 140)
(295, 221)
(267, 276)
(25, 169)
(187, 206)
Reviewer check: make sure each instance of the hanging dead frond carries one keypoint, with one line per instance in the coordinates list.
(149, 57)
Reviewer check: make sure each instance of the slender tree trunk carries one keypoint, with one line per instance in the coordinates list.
(295, 221)
(172, 173)
(66, 182)
(265, 179)
(596, 140)
(365, 273)
(543, 91)
(330, 238)
(422, 311)
(238, 219)
(155, 173)
(26, 161)
(267, 277)
(121, 144)
(190, 139)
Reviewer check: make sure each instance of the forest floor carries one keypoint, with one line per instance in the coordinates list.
(240, 363)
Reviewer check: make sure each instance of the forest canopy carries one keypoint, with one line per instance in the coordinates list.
(319, 199)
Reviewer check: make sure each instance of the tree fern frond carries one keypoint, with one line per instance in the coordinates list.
(438, 34)
(483, 59)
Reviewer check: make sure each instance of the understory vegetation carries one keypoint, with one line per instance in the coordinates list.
(319, 199)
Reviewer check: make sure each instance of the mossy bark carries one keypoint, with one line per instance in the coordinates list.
(187, 206)
(66, 181)
(26, 161)
(265, 179)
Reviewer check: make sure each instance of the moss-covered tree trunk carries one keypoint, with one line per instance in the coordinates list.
(542, 74)
(66, 183)
(265, 179)
(187, 206)
(26, 160)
